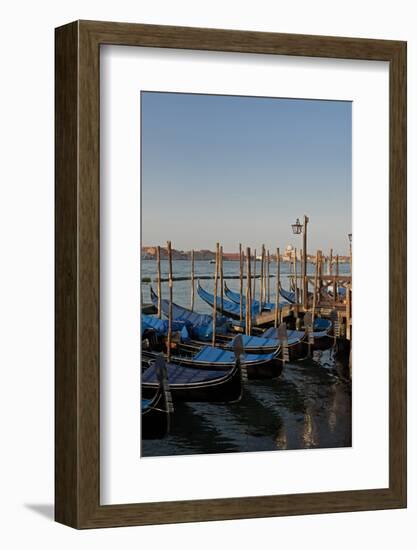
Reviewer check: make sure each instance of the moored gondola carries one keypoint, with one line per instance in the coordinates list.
(318, 339)
(259, 344)
(229, 309)
(156, 406)
(213, 358)
(199, 385)
(266, 306)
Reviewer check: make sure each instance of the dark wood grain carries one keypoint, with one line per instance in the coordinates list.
(66, 236)
(78, 285)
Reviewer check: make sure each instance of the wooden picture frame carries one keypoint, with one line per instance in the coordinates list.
(77, 406)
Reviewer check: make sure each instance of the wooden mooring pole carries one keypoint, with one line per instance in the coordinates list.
(254, 275)
(262, 276)
(158, 268)
(278, 282)
(170, 300)
(248, 320)
(267, 275)
(240, 282)
(348, 312)
(336, 289)
(215, 295)
(221, 278)
(192, 280)
(296, 281)
(316, 276)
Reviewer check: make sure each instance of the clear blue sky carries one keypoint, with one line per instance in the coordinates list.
(242, 169)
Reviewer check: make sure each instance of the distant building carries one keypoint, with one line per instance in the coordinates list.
(232, 256)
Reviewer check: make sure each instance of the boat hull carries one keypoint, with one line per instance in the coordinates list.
(224, 389)
(155, 419)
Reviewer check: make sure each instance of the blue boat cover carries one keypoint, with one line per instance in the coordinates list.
(208, 354)
(287, 295)
(178, 374)
(145, 403)
(341, 290)
(235, 297)
(199, 325)
(322, 324)
(161, 326)
(229, 308)
(321, 328)
(256, 342)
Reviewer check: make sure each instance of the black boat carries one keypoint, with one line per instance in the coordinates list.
(213, 358)
(225, 306)
(259, 344)
(256, 304)
(156, 406)
(199, 385)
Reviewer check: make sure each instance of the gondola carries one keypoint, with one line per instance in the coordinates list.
(191, 384)
(201, 324)
(212, 358)
(230, 309)
(290, 295)
(321, 338)
(235, 297)
(252, 344)
(156, 406)
(321, 328)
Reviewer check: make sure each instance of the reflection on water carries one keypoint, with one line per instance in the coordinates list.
(309, 406)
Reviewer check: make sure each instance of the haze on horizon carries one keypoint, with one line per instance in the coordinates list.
(242, 169)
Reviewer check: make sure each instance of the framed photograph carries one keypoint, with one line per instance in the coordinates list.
(230, 274)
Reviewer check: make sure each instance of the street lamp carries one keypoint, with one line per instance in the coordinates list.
(297, 229)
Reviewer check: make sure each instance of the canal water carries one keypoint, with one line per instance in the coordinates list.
(308, 406)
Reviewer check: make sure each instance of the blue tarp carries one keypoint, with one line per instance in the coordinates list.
(199, 325)
(208, 354)
(235, 297)
(229, 308)
(145, 403)
(321, 328)
(287, 295)
(161, 326)
(256, 342)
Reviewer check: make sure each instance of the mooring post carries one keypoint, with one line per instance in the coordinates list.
(295, 281)
(254, 276)
(192, 280)
(240, 282)
(248, 292)
(316, 274)
(221, 277)
(268, 282)
(216, 271)
(278, 282)
(170, 300)
(305, 258)
(158, 268)
(336, 290)
(262, 276)
(348, 312)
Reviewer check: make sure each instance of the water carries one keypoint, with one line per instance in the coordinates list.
(308, 406)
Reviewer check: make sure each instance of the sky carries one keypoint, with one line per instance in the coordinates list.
(233, 169)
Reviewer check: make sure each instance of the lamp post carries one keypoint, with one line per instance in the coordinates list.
(297, 229)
